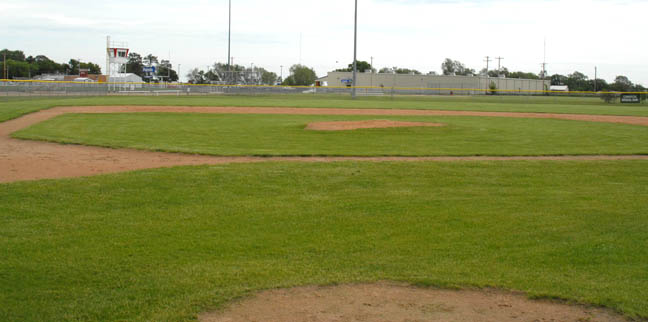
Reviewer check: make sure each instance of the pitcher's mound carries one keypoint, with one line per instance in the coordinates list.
(393, 302)
(371, 124)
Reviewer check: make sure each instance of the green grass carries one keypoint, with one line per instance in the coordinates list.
(166, 244)
(223, 134)
(11, 107)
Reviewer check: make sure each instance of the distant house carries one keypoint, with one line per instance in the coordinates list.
(559, 88)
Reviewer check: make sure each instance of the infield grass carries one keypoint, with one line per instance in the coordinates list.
(166, 244)
(12, 107)
(230, 134)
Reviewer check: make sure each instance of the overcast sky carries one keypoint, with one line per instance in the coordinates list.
(415, 34)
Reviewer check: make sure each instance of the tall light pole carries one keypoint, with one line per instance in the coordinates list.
(355, 51)
(229, 37)
(281, 73)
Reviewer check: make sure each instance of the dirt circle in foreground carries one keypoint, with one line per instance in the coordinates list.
(395, 302)
(370, 124)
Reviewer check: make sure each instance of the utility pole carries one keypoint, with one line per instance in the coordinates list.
(179, 75)
(281, 74)
(355, 51)
(499, 63)
(487, 60)
(4, 67)
(595, 77)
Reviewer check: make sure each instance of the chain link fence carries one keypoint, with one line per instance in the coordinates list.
(57, 88)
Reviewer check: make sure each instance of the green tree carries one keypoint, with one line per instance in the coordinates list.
(558, 79)
(135, 64)
(15, 55)
(45, 65)
(361, 65)
(92, 68)
(17, 69)
(523, 75)
(578, 81)
(268, 78)
(196, 76)
(455, 67)
(165, 70)
(407, 71)
(73, 67)
(300, 75)
(622, 84)
(150, 60)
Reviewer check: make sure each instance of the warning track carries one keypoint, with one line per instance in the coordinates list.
(32, 160)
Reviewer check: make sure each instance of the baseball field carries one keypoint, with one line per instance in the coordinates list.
(173, 208)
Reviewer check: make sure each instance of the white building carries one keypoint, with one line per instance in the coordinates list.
(126, 81)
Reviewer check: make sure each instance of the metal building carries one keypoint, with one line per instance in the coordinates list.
(437, 84)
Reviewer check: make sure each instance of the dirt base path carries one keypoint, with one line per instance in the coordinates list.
(386, 302)
(32, 160)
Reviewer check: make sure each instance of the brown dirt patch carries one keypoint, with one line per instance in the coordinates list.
(31, 160)
(369, 124)
(394, 302)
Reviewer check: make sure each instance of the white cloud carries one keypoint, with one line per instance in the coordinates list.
(417, 34)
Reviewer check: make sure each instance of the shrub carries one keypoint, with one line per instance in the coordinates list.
(608, 97)
(492, 88)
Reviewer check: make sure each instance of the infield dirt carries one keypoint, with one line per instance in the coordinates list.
(388, 302)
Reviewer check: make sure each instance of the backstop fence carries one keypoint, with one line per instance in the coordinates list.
(63, 88)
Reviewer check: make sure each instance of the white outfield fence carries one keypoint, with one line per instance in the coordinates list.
(64, 88)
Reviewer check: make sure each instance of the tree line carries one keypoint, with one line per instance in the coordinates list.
(299, 75)
(21, 66)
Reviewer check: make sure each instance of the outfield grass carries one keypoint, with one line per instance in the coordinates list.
(166, 244)
(229, 134)
(13, 107)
